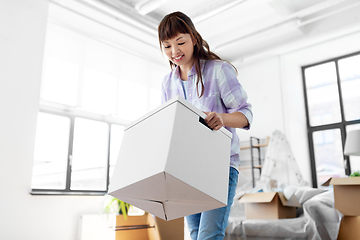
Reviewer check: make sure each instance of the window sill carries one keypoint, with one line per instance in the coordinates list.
(67, 193)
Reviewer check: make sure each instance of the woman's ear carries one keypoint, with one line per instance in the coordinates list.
(194, 41)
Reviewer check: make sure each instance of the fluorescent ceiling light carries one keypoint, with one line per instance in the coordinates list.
(127, 16)
(215, 9)
(146, 6)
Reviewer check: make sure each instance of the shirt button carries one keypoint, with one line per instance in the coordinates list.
(189, 95)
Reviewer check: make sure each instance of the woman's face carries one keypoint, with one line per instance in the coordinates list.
(179, 50)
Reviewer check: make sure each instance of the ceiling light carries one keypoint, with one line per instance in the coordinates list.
(146, 6)
(215, 9)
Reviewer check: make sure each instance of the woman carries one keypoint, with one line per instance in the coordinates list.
(211, 85)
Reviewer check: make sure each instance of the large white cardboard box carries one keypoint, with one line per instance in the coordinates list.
(171, 164)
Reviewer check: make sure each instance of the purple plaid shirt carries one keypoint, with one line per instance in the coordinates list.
(222, 94)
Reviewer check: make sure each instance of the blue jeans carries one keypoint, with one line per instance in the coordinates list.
(212, 224)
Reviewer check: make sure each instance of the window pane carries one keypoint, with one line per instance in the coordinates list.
(322, 94)
(354, 160)
(350, 86)
(51, 152)
(60, 81)
(99, 92)
(90, 154)
(328, 154)
(133, 100)
(117, 134)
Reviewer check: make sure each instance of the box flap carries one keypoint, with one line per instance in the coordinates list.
(292, 202)
(154, 207)
(261, 197)
(327, 182)
(174, 209)
(167, 197)
(266, 197)
(183, 102)
(345, 181)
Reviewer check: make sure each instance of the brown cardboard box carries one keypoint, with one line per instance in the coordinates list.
(173, 229)
(269, 205)
(135, 227)
(347, 195)
(349, 228)
(148, 227)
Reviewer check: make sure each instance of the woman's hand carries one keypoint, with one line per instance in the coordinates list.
(234, 120)
(214, 120)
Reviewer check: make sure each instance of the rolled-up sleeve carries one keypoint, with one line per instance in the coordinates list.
(232, 93)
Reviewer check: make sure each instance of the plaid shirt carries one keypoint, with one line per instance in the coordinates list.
(222, 94)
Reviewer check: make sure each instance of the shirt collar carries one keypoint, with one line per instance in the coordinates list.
(192, 70)
(176, 72)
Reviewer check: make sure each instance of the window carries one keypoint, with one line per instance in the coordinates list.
(72, 154)
(89, 92)
(332, 103)
(51, 152)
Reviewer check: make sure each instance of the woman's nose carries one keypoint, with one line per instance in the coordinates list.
(175, 49)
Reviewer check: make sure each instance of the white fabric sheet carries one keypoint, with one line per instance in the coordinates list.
(317, 220)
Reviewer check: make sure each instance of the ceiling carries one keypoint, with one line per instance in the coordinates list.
(237, 30)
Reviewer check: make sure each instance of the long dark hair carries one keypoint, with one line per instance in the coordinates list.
(177, 22)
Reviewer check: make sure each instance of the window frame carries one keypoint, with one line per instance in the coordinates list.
(78, 41)
(340, 125)
(72, 113)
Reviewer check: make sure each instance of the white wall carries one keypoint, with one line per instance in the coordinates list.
(262, 83)
(275, 89)
(292, 88)
(23, 216)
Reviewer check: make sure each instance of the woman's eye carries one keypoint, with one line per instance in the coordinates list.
(181, 43)
(166, 46)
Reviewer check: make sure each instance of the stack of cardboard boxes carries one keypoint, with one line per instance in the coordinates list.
(346, 196)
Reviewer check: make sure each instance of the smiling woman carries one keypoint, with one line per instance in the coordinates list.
(210, 84)
(179, 51)
(176, 27)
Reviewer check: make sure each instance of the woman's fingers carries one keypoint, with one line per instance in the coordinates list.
(214, 120)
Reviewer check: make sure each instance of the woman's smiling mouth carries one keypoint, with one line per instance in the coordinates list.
(178, 58)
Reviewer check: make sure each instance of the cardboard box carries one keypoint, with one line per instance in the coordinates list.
(347, 195)
(135, 227)
(173, 229)
(172, 165)
(269, 205)
(148, 227)
(349, 228)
